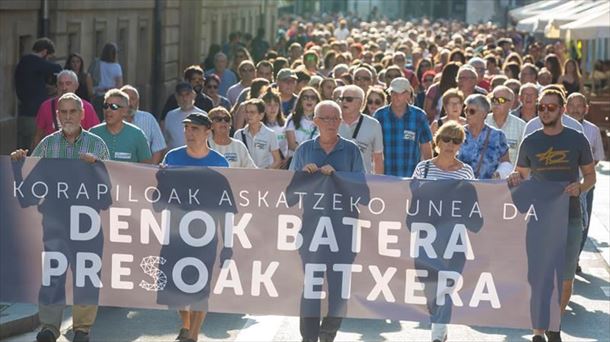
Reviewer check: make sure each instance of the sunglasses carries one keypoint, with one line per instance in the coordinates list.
(375, 102)
(347, 98)
(455, 141)
(470, 111)
(111, 106)
(362, 78)
(499, 100)
(309, 97)
(391, 75)
(221, 119)
(551, 107)
(211, 87)
(247, 70)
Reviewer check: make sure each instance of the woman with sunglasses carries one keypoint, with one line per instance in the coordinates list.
(485, 147)
(299, 124)
(234, 151)
(210, 88)
(375, 99)
(452, 100)
(447, 141)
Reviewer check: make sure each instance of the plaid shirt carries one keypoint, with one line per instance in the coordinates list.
(56, 146)
(401, 139)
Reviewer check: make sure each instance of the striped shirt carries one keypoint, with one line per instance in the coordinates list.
(513, 129)
(435, 173)
(56, 146)
(148, 124)
(402, 137)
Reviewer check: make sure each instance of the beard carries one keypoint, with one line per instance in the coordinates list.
(551, 123)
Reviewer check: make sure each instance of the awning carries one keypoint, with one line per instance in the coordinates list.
(585, 10)
(537, 22)
(595, 26)
(533, 9)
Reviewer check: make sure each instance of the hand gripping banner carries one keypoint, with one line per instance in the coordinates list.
(282, 243)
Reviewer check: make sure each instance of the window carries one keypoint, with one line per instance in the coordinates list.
(74, 35)
(123, 44)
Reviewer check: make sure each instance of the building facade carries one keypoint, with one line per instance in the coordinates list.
(156, 39)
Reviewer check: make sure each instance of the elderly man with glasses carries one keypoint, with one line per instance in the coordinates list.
(501, 101)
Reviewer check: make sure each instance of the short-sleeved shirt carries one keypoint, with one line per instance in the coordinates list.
(593, 134)
(129, 144)
(55, 145)
(307, 129)
(227, 79)
(369, 138)
(234, 91)
(173, 127)
(44, 117)
(535, 124)
(556, 158)
(344, 157)
(435, 173)
(235, 153)
(149, 125)
(470, 152)
(261, 145)
(179, 157)
(108, 73)
(513, 129)
(280, 134)
(402, 138)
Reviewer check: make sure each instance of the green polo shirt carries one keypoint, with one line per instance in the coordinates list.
(56, 146)
(129, 144)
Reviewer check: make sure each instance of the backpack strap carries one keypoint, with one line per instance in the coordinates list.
(355, 134)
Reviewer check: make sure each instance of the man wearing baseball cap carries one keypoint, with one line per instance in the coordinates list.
(286, 84)
(406, 134)
(196, 151)
(172, 125)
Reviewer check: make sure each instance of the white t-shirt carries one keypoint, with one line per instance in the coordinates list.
(308, 129)
(260, 145)
(341, 33)
(280, 134)
(369, 138)
(108, 74)
(173, 128)
(235, 152)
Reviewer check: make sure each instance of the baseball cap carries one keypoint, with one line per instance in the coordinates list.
(183, 86)
(400, 85)
(198, 119)
(286, 74)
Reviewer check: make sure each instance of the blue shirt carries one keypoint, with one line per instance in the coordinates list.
(288, 106)
(470, 152)
(346, 156)
(178, 156)
(401, 139)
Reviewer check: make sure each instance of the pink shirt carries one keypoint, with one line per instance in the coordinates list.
(44, 118)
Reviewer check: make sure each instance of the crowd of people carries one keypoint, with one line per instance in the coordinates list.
(420, 99)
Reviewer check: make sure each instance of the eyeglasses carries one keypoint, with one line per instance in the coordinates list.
(209, 86)
(499, 100)
(470, 111)
(455, 141)
(247, 70)
(347, 98)
(111, 106)
(391, 76)
(328, 120)
(309, 97)
(551, 107)
(362, 78)
(221, 119)
(375, 102)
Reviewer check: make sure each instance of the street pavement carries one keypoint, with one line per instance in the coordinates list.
(587, 318)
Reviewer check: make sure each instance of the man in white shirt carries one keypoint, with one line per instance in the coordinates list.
(341, 32)
(172, 126)
(146, 122)
(501, 102)
(363, 130)
(246, 73)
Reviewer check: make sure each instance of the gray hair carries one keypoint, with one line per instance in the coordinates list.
(577, 95)
(480, 101)
(528, 85)
(359, 69)
(130, 88)
(68, 73)
(326, 103)
(220, 55)
(476, 60)
(340, 67)
(118, 94)
(505, 88)
(71, 97)
(467, 68)
(355, 88)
